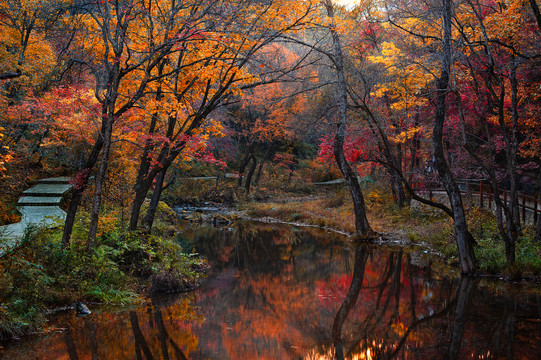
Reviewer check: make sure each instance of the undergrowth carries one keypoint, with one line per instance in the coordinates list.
(41, 274)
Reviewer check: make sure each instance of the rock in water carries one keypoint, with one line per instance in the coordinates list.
(82, 309)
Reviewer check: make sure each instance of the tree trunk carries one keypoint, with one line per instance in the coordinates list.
(80, 185)
(537, 13)
(513, 226)
(141, 191)
(243, 165)
(512, 214)
(260, 168)
(248, 182)
(100, 181)
(537, 236)
(501, 207)
(464, 241)
(398, 189)
(144, 164)
(148, 220)
(362, 227)
(145, 179)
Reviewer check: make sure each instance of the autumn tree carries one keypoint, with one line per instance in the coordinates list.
(362, 226)
(387, 96)
(24, 50)
(234, 39)
(491, 102)
(128, 40)
(265, 114)
(28, 58)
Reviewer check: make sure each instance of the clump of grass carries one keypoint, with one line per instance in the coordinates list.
(491, 256)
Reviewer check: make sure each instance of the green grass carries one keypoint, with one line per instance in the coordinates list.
(41, 274)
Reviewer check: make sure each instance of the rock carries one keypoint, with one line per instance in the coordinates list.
(82, 309)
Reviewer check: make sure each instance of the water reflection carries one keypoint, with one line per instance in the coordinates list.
(284, 293)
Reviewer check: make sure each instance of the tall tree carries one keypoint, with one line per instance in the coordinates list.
(362, 226)
(129, 40)
(464, 239)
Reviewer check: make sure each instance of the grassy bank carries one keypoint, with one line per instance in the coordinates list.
(297, 199)
(416, 224)
(41, 275)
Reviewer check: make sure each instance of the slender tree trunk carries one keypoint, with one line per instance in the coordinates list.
(537, 13)
(398, 189)
(244, 163)
(144, 164)
(100, 181)
(148, 220)
(501, 207)
(512, 214)
(537, 237)
(464, 241)
(145, 180)
(248, 182)
(141, 191)
(362, 227)
(416, 145)
(260, 168)
(513, 226)
(80, 185)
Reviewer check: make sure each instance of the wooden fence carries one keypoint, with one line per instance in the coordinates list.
(483, 191)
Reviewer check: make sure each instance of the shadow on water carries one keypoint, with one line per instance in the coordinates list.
(276, 292)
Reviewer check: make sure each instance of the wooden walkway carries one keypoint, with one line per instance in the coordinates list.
(39, 206)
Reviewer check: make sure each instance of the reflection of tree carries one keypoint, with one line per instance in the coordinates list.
(140, 342)
(374, 339)
(70, 345)
(164, 337)
(93, 340)
(285, 310)
(463, 297)
(361, 255)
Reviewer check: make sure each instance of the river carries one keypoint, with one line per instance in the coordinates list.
(279, 292)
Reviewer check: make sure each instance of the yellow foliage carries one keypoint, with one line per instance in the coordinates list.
(403, 136)
(406, 79)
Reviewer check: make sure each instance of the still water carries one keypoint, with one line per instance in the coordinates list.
(277, 292)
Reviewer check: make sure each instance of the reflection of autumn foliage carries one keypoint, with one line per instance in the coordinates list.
(275, 294)
(151, 332)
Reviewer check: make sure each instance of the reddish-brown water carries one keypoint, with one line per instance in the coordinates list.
(281, 293)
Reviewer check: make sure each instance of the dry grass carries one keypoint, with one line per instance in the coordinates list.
(310, 211)
(334, 209)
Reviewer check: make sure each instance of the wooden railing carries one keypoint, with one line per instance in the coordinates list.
(483, 190)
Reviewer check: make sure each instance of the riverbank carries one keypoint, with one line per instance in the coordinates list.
(413, 226)
(274, 292)
(122, 268)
